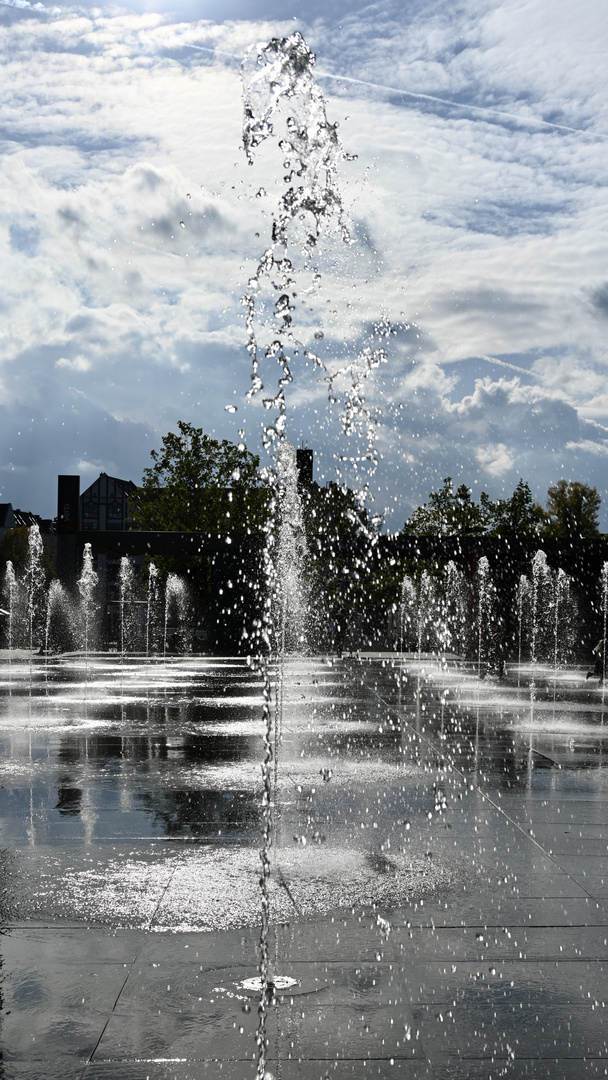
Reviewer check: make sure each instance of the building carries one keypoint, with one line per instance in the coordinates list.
(104, 506)
(17, 519)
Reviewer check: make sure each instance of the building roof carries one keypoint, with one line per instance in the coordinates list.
(126, 485)
(24, 517)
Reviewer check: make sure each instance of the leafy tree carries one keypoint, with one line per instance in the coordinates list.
(339, 535)
(13, 546)
(447, 513)
(198, 484)
(572, 509)
(517, 516)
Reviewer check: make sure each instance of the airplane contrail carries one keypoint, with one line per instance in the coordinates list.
(484, 110)
(524, 121)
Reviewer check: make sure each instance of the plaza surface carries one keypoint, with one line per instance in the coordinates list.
(439, 881)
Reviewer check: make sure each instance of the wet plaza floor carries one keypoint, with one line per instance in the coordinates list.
(439, 886)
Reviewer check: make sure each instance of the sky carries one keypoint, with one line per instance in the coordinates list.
(475, 194)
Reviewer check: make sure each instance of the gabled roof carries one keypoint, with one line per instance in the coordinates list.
(126, 485)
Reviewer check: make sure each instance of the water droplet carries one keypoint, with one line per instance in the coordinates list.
(230, 408)
(183, 224)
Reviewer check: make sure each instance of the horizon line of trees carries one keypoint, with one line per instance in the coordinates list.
(571, 511)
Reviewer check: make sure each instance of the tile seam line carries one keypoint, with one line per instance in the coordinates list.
(446, 756)
(145, 931)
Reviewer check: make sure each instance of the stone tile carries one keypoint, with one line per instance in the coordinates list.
(473, 1029)
(498, 910)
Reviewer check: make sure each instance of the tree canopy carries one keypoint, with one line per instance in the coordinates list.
(447, 513)
(198, 484)
(571, 511)
(519, 515)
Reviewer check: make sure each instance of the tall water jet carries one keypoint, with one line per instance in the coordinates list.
(604, 602)
(426, 614)
(453, 609)
(407, 611)
(564, 621)
(34, 584)
(58, 630)
(282, 329)
(153, 611)
(87, 587)
(542, 601)
(10, 594)
(522, 601)
(175, 629)
(292, 599)
(484, 613)
(126, 602)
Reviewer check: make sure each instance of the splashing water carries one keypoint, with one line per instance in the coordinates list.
(87, 587)
(58, 619)
(293, 603)
(11, 590)
(485, 612)
(153, 611)
(34, 583)
(126, 590)
(279, 85)
(176, 615)
(279, 90)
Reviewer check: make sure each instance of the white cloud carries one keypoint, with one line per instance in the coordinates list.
(487, 236)
(495, 460)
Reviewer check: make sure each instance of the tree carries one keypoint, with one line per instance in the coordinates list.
(14, 546)
(198, 484)
(517, 516)
(340, 535)
(572, 509)
(447, 513)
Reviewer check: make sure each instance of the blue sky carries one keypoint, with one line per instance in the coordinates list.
(477, 204)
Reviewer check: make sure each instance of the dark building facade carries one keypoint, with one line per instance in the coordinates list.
(104, 506)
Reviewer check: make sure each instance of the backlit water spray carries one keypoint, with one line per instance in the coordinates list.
(280, 90)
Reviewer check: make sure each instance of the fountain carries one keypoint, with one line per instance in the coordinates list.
(393, 785)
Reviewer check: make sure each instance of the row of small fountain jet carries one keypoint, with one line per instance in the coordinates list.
(50, 618)
(456, 613)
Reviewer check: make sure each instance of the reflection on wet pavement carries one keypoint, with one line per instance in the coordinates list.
(439, 888)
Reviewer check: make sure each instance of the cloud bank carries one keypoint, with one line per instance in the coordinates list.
(130, 224)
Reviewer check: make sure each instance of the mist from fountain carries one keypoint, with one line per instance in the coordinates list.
(175, 625)
(58, 635)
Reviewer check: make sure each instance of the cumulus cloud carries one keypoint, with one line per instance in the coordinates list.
(479, 227)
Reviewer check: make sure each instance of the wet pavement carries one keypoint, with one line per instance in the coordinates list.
(439, 887)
